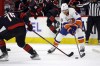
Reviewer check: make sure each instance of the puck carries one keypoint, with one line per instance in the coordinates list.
(76, 57)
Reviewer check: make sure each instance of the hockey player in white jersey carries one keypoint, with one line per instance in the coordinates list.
(71, 23)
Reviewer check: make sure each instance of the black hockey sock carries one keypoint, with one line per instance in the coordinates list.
(29, 49)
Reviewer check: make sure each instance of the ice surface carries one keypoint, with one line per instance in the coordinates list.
(18, 57)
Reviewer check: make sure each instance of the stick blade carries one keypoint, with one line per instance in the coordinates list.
(71, 54)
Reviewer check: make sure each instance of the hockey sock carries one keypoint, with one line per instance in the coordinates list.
(3, 46)
(81, 43)
(52, 28)
(55, 43)
(52, 18)
(29, 49)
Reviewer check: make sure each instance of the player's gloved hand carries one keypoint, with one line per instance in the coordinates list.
(35, 17)
(72, 30)
(75, 25)
(29, 27)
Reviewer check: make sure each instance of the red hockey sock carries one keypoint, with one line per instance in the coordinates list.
(29, 49)
(52, 28)
(3, 46)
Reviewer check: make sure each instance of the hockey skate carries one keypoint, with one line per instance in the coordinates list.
(35, 57)
(82, 49)
(4, 57)
(51, 50)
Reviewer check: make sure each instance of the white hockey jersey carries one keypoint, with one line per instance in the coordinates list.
(72, 14)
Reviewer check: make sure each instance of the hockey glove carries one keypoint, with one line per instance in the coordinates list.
(72, 30)
(35, 17)
(29, 27)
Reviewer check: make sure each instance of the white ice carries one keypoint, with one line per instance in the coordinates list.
(18, 57)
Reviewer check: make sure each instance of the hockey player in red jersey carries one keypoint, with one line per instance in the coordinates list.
(51, 20)
(15, 27)
(52, 12)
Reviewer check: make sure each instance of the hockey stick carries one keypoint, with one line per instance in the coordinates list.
(69, 55)
(81, 55)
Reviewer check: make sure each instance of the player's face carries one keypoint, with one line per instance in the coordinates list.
(65, 11)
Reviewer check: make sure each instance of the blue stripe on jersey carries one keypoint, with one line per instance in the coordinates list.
(64, 31)
(78, 18)
(81, 37)
(64, 23)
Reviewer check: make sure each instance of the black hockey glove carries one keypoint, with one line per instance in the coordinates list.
(35, 17)
(29, 27)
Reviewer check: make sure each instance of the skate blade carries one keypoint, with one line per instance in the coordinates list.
(36, 58)
(4, 60)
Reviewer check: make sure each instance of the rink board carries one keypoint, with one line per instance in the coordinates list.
(31, 40)
(40, 26)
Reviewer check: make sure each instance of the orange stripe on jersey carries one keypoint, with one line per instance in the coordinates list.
(66, 26)
(79, 22)
(81, 40)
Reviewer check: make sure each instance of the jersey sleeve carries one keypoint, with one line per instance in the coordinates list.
(75, 14)
(25, 18)
(62, 18)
